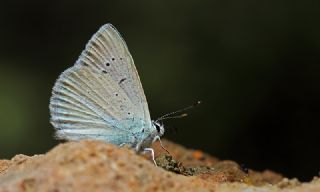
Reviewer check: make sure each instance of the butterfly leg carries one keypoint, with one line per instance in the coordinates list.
(158, 138)
(152, 154)
(122, 145)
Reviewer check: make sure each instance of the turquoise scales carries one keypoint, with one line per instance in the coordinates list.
(101, 96)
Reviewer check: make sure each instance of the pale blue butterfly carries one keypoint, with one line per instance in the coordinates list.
(101, 97)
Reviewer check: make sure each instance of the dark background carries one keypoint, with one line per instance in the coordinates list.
(254, 64)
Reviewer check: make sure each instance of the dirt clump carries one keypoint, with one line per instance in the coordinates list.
(98, 166)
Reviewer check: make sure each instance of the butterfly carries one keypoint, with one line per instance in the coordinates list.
(101, 97)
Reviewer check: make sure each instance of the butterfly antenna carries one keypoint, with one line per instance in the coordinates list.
(175, 117)
(169, 115)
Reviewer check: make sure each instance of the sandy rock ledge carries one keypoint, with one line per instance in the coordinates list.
(97, 166)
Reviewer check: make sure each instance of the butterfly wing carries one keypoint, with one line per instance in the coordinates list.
(101, 96)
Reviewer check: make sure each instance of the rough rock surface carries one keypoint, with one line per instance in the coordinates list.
(97, 166)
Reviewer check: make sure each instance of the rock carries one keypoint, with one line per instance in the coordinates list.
(97, 166)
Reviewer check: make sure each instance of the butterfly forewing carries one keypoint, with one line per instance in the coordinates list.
(101, 96)
(107, 52)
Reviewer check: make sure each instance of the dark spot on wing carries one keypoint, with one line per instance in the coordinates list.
(116, 94)
(104, 71)
(107, 64)
(120, 58)
(122, 80)
(129, 113)
(142, 130)
(113, 58)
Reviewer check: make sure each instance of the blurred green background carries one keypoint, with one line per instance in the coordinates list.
(254, 64)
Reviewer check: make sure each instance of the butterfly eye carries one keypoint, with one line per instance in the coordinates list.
(157, 127)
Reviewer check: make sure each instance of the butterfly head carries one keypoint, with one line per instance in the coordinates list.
(158, 126)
